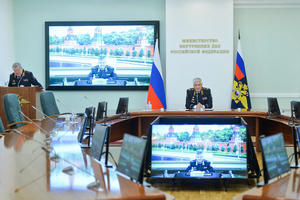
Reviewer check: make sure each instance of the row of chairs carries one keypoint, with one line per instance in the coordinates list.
(16, 119)
(90, 120)
(49, 106)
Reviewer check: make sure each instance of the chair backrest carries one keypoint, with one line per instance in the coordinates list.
(48, 103)
(123, 105)
(2, 129)
(295, 109)
(12, 109)
(102, 110)
(273, 107)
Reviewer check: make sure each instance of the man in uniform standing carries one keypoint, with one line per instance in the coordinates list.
(22, 78)
(198, 97)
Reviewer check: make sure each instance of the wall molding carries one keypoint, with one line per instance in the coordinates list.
(266, 3)
(278, 95)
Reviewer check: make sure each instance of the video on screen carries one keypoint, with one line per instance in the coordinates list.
(131, 156)
(199, 151)
(100, 55)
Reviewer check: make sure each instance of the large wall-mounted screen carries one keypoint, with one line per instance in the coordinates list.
(99, 55)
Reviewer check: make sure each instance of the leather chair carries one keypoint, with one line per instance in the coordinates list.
(48, 104)
(13, 111)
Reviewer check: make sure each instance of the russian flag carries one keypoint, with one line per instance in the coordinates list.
(156, 91)
(240, 89)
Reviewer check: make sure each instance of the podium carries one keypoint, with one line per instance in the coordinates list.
(28, 97)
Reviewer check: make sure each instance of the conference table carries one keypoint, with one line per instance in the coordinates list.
(43, 160)
(285, 188)
(30, 169)
(259, 122)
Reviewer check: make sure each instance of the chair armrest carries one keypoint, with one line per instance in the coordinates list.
(51, 116)
(66, 114)
(58, 115)
(20, 122)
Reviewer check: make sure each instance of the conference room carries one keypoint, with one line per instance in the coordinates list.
(126, 68)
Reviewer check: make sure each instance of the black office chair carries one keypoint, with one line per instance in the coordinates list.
(295, 109)
(102, 110)
(273, 107)
(122, 105)
(87, 126)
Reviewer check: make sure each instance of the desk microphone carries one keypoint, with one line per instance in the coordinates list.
(48, 149)
(34, 123)
(88, 99)
(18, 85)
(105, 110)
(55, 157)
(24, 186)
(68, 170)
(292, 119)
(45, 116)
(64, 105)
(48, 134)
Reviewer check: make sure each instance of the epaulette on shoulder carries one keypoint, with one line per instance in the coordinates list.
(191, 89)
(205, 88)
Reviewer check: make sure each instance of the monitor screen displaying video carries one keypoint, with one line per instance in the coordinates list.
(98, 141)
(132, 156)
(274, 155)
(99, 55)
(199, 151)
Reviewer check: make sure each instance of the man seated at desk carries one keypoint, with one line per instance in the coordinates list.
(200, 164)
(198, 97)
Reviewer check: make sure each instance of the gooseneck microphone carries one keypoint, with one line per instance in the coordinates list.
(20, 80)
(45, 116)
(46, 148)
(90, 101)
(65, 106)
(48, 134)
(105, 110)
(68, 170)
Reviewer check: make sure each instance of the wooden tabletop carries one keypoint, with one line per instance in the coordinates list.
(285, 188)
(29, 170)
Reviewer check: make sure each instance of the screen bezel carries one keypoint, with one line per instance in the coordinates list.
(91, 23)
